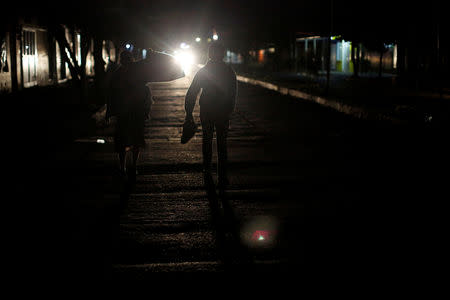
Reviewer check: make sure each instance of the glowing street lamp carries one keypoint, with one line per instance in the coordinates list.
(215, 37)
(197, 39)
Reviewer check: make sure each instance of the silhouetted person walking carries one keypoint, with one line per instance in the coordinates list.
(129, 101)
(217, 83)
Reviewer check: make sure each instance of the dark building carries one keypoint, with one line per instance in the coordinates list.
(30, 55)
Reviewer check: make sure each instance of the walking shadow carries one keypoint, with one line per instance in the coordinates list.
(123, 187)
(233, 254)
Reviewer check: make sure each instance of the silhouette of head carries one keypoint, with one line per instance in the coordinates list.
(216, 51)
(126, 58)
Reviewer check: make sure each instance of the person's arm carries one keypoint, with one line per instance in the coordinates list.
(191, 96)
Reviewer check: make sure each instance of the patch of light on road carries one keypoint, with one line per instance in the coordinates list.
(260, 232)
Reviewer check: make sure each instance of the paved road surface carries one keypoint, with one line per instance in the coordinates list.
(170, 222)
(305, 183)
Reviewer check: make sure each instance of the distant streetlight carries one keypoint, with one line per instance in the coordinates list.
(215, 37)
(128, 46)
(197, 39)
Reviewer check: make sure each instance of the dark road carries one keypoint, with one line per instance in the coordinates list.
(278, 178)
(309, 187)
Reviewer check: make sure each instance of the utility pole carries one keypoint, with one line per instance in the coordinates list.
(329, 48)
(13, 37)
(437, 10)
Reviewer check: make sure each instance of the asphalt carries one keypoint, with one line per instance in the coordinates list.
(310, 188)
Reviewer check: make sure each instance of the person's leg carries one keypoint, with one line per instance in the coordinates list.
(208, 130)
(119, 143)
(122, 160)
(222, 152)
(135, 150)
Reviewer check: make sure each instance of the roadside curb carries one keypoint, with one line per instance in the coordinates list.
(357, 112)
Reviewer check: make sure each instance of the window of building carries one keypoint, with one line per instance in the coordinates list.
(29, 58)
(3, 54)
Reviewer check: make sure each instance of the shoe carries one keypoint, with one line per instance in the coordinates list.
(132, 172)
(122, 173)
(207, 178)
(207, 172)
(223, 182)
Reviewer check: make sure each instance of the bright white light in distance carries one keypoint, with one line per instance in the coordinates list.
(198, 39)
(185, 59)
(215, 37)
(184, 46)
(127, 46)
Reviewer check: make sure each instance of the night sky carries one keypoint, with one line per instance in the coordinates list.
(242, 21)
